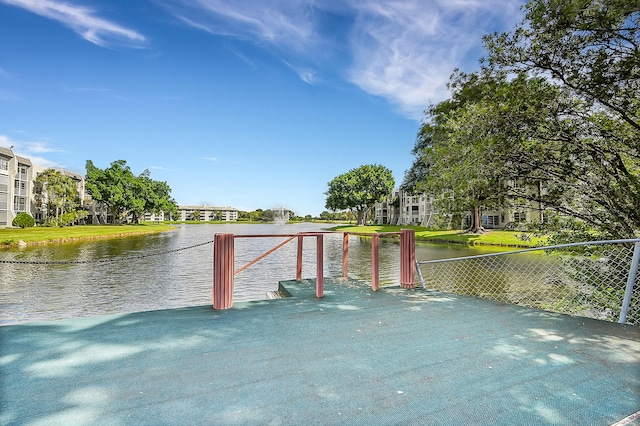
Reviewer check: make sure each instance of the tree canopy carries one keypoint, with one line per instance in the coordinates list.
(555, 105)
(125, 194)
(359, 190)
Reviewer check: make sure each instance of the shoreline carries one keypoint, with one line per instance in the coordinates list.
(12, 238)
(38, 236)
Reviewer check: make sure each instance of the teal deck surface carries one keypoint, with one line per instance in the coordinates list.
(354, 357)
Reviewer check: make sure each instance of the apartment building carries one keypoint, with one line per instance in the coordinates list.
(403, 208)
(39, 209)
(16, 177)
(207, 213)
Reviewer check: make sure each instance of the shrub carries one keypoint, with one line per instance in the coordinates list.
(23, 220)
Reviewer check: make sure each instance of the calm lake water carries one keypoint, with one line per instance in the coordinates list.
(32, 292)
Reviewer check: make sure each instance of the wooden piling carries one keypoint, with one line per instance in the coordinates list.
(407, 258)
(223, 263)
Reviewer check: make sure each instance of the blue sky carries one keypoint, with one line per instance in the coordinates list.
(249, 104)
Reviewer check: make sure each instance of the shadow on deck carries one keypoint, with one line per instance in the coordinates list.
(355, 357)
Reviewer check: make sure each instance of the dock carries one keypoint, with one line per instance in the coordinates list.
(354, 357)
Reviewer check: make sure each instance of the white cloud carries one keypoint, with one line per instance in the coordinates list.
(210, 158)
(82, 20)
(278, 22)
(27, 148)
(406, 51)
(403, 51)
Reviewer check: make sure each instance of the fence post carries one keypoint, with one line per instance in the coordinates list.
(633, 272)
(299, 263)
(319, 266)
(407, 258)
(375, 262)
(223, 262)
(345, 255)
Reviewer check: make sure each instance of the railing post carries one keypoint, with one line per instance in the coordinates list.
(299, 263)
(345, 255)
(633, 272)
(223, 262)
(375, 263)
(319, 266)
(407, 258)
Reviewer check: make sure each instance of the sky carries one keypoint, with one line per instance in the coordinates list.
(242, 103)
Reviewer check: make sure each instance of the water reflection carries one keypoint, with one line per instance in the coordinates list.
(176, 279)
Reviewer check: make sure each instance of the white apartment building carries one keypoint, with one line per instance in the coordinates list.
(39, 206)
(207, 213)
(16, 183)
(402, 208)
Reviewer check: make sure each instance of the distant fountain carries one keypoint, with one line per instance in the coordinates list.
(280, 216)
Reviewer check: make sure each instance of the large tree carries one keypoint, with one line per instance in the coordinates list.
(124, 193)
(464, 172)
(415, 176)
(555, 106)
(574, 122)
(359, 190)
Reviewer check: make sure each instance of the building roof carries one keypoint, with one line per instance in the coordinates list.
(206, 208)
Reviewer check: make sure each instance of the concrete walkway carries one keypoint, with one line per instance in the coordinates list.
(355, 357)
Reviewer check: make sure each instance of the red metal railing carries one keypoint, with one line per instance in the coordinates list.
(224, 258)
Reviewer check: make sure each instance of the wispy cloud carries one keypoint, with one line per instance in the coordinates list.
(104, 92)
(84, 21)
(158, 168)
(406, 51)
(403, 51)
(278, 22)
(307, 75)
(210, 158)
(30, 149)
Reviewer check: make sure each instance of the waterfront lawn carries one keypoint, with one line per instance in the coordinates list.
(489, 237)
(42, 235)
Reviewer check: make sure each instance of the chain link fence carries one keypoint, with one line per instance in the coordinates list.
(594, 279)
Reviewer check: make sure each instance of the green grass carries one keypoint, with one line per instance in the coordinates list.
(42, 235)
(490, 237)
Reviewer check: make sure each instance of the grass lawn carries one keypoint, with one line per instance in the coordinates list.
(491, 237)
(42, 235)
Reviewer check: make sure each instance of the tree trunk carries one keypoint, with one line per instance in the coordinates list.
(476, 220)
(361, 216)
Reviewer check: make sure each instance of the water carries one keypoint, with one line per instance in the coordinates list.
(177, 279)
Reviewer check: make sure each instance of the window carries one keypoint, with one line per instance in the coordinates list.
(490, 221)
(519, 217)
(4, 164)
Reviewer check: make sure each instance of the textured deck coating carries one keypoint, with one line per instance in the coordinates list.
(355, 357)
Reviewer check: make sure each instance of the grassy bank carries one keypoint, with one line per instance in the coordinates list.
(11, 237)
(490, 237)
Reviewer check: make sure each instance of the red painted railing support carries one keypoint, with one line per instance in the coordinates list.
(319, 266)
(407, 258)
(375, 263)
(299, 263)
(223, 262)
(345, 255)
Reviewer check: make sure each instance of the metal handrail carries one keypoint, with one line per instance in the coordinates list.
(224, 258)
(477, 256)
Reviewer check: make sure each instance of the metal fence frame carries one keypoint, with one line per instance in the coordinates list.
(631, 277)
